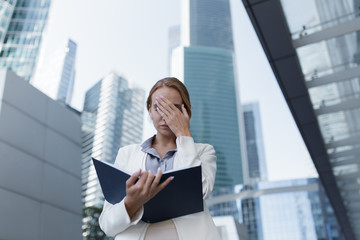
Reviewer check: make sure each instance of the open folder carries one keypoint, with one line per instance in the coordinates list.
(182, 196)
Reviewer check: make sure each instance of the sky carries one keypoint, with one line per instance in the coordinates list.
(131, 38)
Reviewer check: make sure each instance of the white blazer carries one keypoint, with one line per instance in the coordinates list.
(114, 219)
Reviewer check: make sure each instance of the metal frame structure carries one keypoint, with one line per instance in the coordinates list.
(270, 25)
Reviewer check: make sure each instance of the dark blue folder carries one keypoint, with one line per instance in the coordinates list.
(182, 196)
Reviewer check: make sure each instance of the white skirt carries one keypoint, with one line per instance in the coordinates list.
(164, 230)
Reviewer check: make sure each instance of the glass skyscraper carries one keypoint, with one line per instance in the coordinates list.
(23, 34)
(205, 61)
(6, 10)
(313, 49)
(208, 23)
(280, 210)
(247, 210)
(254, 143)
(55, 77)
(112, 118)
(297, 214)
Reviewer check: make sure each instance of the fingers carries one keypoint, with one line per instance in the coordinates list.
(156, 187)
(143, 178)
(166, 103)
(167, 106)
(132, 179)
(157, 178)
(161, 112)
(184, 111)
(163, 107)
(163, 185)
(149, 180)
(141, 187)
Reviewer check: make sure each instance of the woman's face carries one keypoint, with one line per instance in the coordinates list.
(173, 96)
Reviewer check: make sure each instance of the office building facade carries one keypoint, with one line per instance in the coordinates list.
(205, 61)
(313, 49)
(246, 211)
(305, 214)
(56, 76)
(40, 173)
(6, 9)
(287, 209)
(112, 118)
(254, 143)
(22, 38)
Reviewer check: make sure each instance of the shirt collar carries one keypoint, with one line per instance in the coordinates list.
(146, 146)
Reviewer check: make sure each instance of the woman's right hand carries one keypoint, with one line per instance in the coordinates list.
(141, 187)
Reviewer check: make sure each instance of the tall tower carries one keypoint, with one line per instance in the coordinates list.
(205, 61)
(254, 143)
(21, 43)
(256, 166)
(6, 10)
(55, 76)
(112, 118)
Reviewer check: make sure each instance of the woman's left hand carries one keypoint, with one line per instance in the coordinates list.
(177, 120)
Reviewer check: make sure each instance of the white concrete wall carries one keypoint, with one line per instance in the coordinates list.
(40, 164)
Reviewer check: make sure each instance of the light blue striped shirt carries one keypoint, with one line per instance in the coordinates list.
(153, 160)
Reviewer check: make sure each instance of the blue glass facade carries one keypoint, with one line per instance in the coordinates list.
(246, 211)
(205, 61)
(21, 43)
(254, 143)
(6, 10)
(209, 76)
(297, 214)
(210, 24)
(289, 209)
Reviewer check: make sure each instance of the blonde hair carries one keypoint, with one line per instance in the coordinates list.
(176, 84)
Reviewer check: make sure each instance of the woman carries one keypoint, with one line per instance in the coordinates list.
(172, 147)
